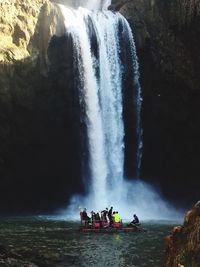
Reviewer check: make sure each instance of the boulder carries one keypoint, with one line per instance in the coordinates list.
(183, 245)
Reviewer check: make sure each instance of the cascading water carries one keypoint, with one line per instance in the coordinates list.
(97, 4)
(106, 62)
(138, 100)
(101, 84)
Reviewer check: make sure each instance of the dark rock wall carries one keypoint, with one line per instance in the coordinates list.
(167, 35)
(40, 123)
(40, 162)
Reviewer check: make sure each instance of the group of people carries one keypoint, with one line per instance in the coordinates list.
(104, 218)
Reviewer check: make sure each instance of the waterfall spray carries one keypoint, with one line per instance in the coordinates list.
(101, 73)
(103, 95)
(97, 4)
(138, 99)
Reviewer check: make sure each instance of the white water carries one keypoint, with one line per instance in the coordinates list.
(138, 100)
(75, 24)
(103, 99)
(97, 4)
(110, 97)
(102, 95)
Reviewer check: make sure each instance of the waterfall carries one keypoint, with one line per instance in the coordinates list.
(97, 50)
(97, 4)
(138, 100)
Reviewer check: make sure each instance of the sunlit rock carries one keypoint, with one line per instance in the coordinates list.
(183, 245)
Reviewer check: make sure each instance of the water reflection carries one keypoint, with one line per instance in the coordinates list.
(59, 243)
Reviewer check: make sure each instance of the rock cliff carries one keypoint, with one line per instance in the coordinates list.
(26, 28)
(34, 115)
(39, 109)
(167, 37)
(183, 245)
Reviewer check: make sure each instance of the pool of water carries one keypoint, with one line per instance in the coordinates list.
(50, 242)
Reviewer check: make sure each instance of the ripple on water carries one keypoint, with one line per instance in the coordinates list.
(58, 243)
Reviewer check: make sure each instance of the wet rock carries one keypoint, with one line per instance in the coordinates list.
(167, 38)
(183, 245)
(117, 5)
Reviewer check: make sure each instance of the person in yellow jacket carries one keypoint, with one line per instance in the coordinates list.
(116, 217)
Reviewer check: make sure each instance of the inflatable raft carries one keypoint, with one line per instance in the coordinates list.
(108, 230)
(116, 228)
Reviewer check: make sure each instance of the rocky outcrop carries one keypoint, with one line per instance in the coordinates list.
(183, 245)
(26, 29)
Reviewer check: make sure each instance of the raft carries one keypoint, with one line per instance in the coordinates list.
(108, 230)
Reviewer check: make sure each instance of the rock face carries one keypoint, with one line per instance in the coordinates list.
(37, 117)
(183, 245)
(40, 125)
(167, 37)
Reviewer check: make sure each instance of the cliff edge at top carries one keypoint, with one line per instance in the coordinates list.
(26, 28)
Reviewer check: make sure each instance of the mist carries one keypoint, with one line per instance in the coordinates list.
(103, 104)
(135, 197)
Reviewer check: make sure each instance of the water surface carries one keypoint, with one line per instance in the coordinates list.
(59, 243)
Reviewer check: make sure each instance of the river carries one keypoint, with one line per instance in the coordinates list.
(46, 241)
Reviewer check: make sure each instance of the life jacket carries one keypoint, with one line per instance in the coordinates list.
(97, 225)
(116, 218)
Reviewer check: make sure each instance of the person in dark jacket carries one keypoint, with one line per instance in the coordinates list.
(135, 220)
(97, 217)
(105, 214)
(93, 216)
(110, 216)
(85, 217)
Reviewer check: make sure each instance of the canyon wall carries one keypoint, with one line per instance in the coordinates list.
(167, 37)
(38, 146)
(40, 124)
